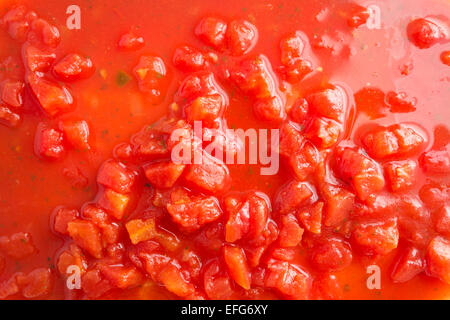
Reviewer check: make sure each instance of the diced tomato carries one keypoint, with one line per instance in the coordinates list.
(122, 277)
(436, 161)
(110, 231)
(238, 222)
(290, 233)
(217, 284)
(49, 143)
(270, 109)
(94, 285)
(291, 280)
(328, 103)
(400, 174)
(295, 72)
(292, 195)
(339, 204)
(330, 255)
(8, 117)
(189, 59)
(363, 173)
(211, 175)
(73, 67)
(2, 264)
(16, 13)
(52, 97)
(299, 110)
(205, 108)
(37, 283)
(62, 217)
(130, 41)
(435, 195)
(292, 48)
(254, 76)
(445, 57)
(327, 287)
(291, 139)
(193, 214)
(311, 217)
(425, 33)
(9, 287)
(400, 102)
(212, 31)
(376, 238)
(150, 143)
(12, 93)
(19, 245)
(163, 174)
(86, 235)
(44, 33)
(357, 17)
(237, 266)
(197, 85)
(304, 162)
(397, 140)
(442, 220)
(36, 59)
(76, 132)
(114, 202)
(73, 256)
(150, 73)
(141, 230)
(441, 136)
(174, 281)
(438, 259)
(18, 30)
(324, 133)
(259, 214)
(371, 101)
(115, 175)
(409, 264)
(241, 37)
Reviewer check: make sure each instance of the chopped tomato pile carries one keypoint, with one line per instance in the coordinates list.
(349, 194)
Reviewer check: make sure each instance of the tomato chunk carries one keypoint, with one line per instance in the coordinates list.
(130, 41)
(49, 143)
(73, 67)
(401, 175)
(291, 280)
(376, 238)
(62, 217)
(37, 283)
(292, 195)
(43, 33)
(409, 264)
(241, 37)
(237, 265)
(76, 133)
(189, 59)
(442, 220)
(291, 233)
(150, 73)
(212, 31)
(436, 161)
(18, 245)
(174, 281)
(113, 202)
(438, 259)
(122, 277)
(426, 32)
(339, 204)
(311, 217)
(435, 195)
(163, 174)
(115, 175)
(36, 59)
(400, 102)
(52, 97)
(324, 133)
(8, 117)
(331, 255)
(193, 214)
(329, 103)
(86, 235)
(217, 284)
(12, 93)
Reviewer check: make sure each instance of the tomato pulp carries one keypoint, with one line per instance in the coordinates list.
(88, 118)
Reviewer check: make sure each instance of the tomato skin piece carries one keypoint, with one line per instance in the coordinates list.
(237, 266)
(212, 31)
(73, 67)
(241, 37)
(49, 143)
(36, 59)
(376, 238)
(18, 245)
(409, 264)
(12, 93)
(331, 255)
(87, 236)
(76, 133)
(424, 33)
(163, 174)
(131, 42)
(8, 117)
(438, 259)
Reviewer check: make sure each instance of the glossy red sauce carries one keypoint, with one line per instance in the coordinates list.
(373, 68)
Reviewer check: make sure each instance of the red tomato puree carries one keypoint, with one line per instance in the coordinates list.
(93, 204)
